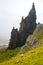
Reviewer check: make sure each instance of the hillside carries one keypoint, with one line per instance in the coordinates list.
(3, 47)
(33, 57)
(8, 54)
(34, 40)
(29, 54)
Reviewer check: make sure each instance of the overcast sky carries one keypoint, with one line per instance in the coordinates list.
(11, 12)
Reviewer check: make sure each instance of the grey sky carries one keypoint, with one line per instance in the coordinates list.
(11, 12)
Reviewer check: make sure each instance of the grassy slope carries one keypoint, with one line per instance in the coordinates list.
(32, 57)
(8, 54)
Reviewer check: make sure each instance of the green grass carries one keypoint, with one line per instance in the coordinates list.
(33, 57)
(8, 54)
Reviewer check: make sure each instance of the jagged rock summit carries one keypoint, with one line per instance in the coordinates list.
(27, 27)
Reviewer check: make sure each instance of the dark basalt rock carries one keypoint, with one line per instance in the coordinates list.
(14, 38)
(27, 27)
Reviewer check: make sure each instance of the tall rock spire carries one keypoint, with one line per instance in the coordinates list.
(27, 27)
(33, 11)
(33, 6)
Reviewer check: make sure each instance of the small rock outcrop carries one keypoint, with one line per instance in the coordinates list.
(14, 38)
(27, 27)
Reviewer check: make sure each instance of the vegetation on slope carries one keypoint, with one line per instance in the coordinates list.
(33, 57)
(8, 54)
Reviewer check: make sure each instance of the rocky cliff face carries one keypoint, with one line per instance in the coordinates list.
(27, 27)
